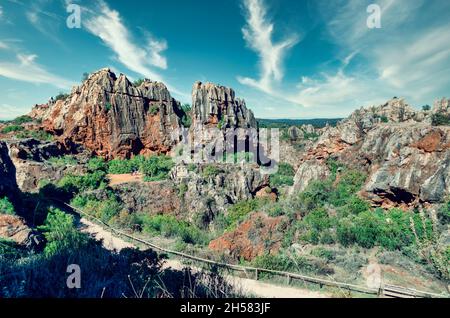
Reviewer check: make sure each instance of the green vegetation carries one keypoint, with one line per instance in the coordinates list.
(36, 134)
(439, 119)
(138, 82)
(12, 128)
(286, 123)
(108, 107)
(6, 207)
(154, 110)
(61, 233)
(290, 263)
(61, 96)
(221, 124)
(169, 226)
(85, 76)
(426, 107)
(66, 160)
(105, 208)
(186, 120)
(211, 170)
(154, 168)
(239, 211)
(22, 120)
(283, 177)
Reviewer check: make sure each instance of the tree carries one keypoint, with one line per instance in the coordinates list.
(85, 76)
(426, 107)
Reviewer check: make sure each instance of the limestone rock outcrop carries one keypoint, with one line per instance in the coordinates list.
(114, 118)
(14, 228)
(214, 105)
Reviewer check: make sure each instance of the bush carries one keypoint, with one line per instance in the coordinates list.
(154, 168)
(61, 96)
(426, 107)
(36, 134)
(12, 128)
(22, 120)
(104, 209)
(67, 160)
(6, 206)
(240, 210)
(97, 163)
(60, 232)
(210, 171)
(76, 183)
(439, 119)
(186, 119)
(169, 226)
(283, 177)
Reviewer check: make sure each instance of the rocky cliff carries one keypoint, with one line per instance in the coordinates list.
(114, 118)
(214, 105)
(406, 158)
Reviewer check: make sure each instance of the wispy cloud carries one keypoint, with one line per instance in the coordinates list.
(258, 34)
(1, 12)
(25, 69)
(107, 24)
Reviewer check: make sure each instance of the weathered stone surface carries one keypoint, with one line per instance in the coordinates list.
(113, 118)
(30, 166)
(405, 157)
(309, 171)
(258, 235)
(14, 228)
(213, 194)
(8, 183)
(213, 104)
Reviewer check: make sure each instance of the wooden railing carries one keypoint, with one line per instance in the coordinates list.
(386, 290)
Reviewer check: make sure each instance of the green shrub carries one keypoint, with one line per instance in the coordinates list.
(211, 170)
(67, 160)
(97, 163)
(104, 209)
(283, 177)
(76, 183)
(154, 110)
(169, 226)
(186, 119)
(138, 82)
(156, 167)
(12, 128)
(36, 134)
(426, 107)
(240, 210)
(6, 207)
(61, 233)
(439, 119)
(61, 96)
(22, 120)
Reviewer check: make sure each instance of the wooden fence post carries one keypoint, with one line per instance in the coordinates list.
(256, 274)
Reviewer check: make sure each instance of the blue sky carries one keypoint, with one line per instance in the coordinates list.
(288, 59)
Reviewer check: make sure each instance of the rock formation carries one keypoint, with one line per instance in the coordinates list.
(214, 105)
(8, 184)
(254, 237)
(406, 158)
(114, 118)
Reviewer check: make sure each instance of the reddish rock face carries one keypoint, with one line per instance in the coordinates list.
(114, 118)
(14, 228)
(258, 235)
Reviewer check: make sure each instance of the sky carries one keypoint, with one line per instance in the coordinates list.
(287, 59)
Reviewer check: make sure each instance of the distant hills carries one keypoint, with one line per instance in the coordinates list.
(286, 123)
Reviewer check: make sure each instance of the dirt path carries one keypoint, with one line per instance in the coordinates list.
(115, 179)
(247, 286)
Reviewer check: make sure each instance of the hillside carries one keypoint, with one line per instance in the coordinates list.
(368, 191)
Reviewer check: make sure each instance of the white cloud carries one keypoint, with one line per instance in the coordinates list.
(107, 24)
(27, 70)
(1, 12)
(258, 35)
(155, 49)
(3, 46)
